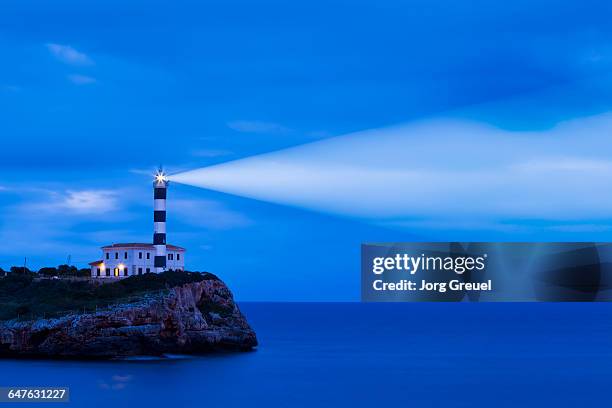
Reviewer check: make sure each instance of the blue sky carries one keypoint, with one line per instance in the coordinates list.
(94, 95)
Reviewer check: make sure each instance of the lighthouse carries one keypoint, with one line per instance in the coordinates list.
(136, 258)
(160, 190)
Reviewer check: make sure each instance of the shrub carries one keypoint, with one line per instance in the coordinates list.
(48, 271)
(84, 273)
(66, 270)
(20, 270)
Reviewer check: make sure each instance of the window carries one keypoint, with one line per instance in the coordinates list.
(125, 271)
(125, 255)
(116, 255)
(107, 255)
(97, 271)
(148, 270)
(116, 271)
(170, 257)
(178, 257)
(140, 271)
(140, 255)
(107, 271)
(148, 255)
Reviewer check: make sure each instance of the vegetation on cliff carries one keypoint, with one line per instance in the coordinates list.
(27, 295)
(60, 271)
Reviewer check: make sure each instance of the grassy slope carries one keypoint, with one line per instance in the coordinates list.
(26, 297)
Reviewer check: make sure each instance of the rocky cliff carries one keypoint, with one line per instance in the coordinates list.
(193, 318)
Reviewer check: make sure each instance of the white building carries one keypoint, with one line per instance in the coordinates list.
(123, 260)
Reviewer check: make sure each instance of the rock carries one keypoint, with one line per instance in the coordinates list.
(194, 318)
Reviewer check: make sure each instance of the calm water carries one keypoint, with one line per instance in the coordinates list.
(429, 355)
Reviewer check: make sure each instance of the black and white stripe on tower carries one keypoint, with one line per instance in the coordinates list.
(160, 189)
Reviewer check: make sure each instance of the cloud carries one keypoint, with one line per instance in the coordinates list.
(10, 88)
(122, 378)
(90, 201)
(45, 224)
(78, 202)
(564, 163)
(69, 55)
(104, 236)
(210, 153)
(319, 134)
(247, 126)
(207, 214)
(143, 172)
(78, 79)
(37, 235)
(582, 228)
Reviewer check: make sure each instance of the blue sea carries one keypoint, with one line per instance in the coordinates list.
(352, 354)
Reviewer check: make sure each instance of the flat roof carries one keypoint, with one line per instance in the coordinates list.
(141, 245)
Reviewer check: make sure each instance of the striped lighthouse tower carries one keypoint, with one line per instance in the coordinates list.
(160, 188)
